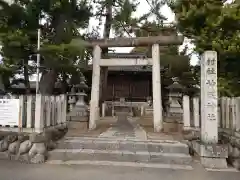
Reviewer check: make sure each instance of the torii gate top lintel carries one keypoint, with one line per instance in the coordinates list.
(131, 42)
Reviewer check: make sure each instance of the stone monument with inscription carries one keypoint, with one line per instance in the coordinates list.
(213, 154)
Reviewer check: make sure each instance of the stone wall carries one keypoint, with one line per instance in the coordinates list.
(29, 147)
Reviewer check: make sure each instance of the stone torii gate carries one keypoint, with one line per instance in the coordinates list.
(155, 42)
(211, 152)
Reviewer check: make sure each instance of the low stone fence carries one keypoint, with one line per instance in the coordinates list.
(228, 126)
(29, 147)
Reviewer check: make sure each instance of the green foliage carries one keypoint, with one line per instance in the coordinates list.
(210, 24)
(64, 57)
(19, 22)
(213, 25)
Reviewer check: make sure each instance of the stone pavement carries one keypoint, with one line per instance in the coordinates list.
(125, 128)
(17, 171)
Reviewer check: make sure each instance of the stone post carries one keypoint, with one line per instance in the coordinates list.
(212, 154)
(196, 116)
(222, 111)
(234, 114)
(209, 104)
(142, 110)
(39, 113)
(227, 120)
(103, 109)
(156, 83)
(94, 102)
(186, 113)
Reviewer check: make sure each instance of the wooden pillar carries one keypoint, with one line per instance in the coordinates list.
(94, 102)
(156, 84)
(238, 114)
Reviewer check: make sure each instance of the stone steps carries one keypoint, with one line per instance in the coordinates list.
(119, 156)
(75, 149)
(121, 164)
(134, 140)
(124, 145)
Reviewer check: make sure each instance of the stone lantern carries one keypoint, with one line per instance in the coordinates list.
(72, 99)
(175, 98)
(81, 87)
(78, 107)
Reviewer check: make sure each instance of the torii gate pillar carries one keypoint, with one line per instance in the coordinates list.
(94, 103)
(156, 88)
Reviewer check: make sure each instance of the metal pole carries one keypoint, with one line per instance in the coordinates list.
(38, 61)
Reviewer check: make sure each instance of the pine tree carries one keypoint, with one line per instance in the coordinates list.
(19, 22)
(213, 25)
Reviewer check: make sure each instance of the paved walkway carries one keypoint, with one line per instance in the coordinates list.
(125, 128)
(17, 171)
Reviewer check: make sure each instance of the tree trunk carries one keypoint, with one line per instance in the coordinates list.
(106, 35)
(48, 79)
(2, 87)
(64, 84)
(47, 82)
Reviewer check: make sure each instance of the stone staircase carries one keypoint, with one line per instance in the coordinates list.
(121, 152)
